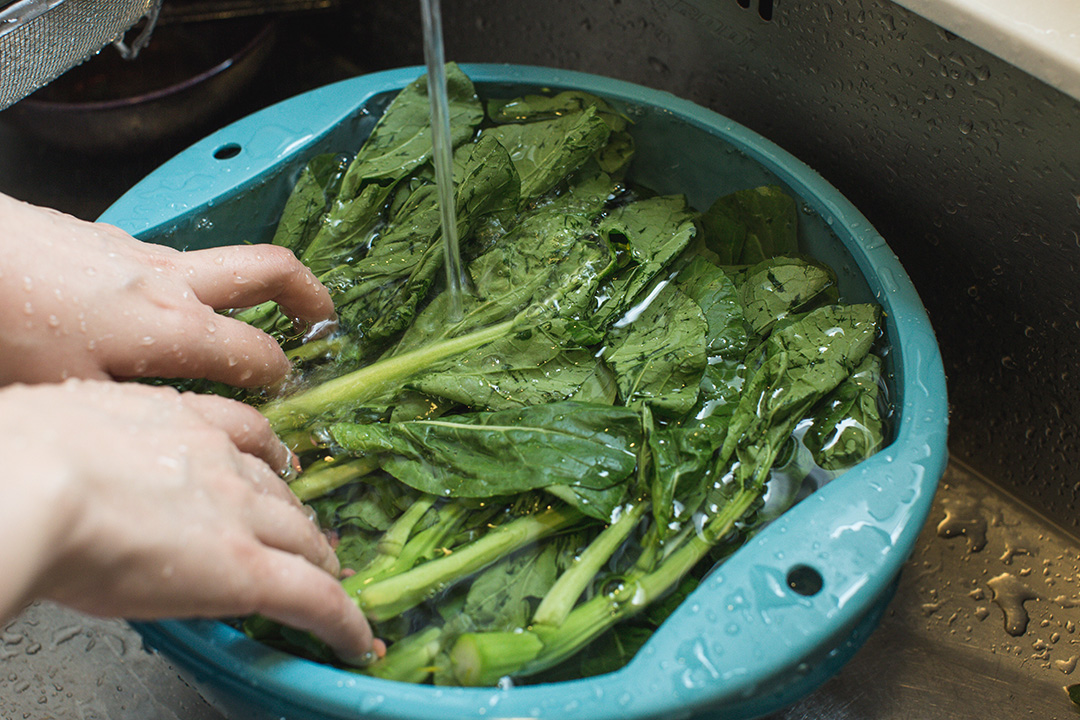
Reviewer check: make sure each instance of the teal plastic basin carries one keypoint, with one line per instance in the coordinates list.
(752, 637)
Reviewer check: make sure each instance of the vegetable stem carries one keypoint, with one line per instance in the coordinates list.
(373, 381)
(395, 537)
(315, 484)
(564, 594)
(392, 560)
(394, 595)
(593, 617)
(486, 660)
(409, 659)
(481, 658)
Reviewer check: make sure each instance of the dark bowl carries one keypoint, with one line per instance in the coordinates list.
(184, 78)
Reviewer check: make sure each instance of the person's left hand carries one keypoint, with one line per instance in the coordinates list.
(81, 299)
(124, 500)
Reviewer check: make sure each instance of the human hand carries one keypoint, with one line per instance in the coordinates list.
(80, 299)
(141, 502)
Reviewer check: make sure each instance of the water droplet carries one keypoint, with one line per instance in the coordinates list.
(65, 633)
(964, 520)
(1010, 594)
(1067, 666)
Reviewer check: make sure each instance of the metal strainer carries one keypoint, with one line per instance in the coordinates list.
(42, 39)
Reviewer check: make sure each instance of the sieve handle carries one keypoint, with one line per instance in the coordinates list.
(271, 143)
(782, 615)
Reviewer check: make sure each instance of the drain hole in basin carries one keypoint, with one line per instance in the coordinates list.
(805, 580)
(226, 151)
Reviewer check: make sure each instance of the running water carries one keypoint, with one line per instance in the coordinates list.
(440, 132)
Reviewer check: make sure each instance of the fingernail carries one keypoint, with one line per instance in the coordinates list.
(291, 469)
(321, 329)
(363, 660)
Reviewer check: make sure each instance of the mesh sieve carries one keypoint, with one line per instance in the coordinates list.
(41, 39)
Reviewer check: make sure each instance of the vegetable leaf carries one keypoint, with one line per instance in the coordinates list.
(568, 444)
(382, 290)
(749, 226)
(775, 288)
(519, 370)
(503, 596)
(659, 357)
(847, 426)
(545, 152)
(401, 140)
(650, 234)
(549, 258)
(803, 360)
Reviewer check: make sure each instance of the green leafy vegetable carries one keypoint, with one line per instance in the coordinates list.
(775, 288)
(573, 445)
(561, 463)
(658, 357)
(545, 152)
(649, 234)
(752, 225)
(847, 426)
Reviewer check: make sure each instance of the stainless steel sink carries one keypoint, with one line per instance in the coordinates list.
(964, 158)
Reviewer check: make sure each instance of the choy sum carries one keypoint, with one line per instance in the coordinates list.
(528, 491)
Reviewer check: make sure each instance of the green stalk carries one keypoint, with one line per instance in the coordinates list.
(316, 483)
(480, 659)
(394, 595)
(393, 557)
(317, 348)
(433, 538)
(395, 537)
(373, 381)
(564, 594)
(473, 658)
(592, 618)
(650, 550)
(410, 659)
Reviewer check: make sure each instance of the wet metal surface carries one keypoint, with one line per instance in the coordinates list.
(967, 167)
(985, 622)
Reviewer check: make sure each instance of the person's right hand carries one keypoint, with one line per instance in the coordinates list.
(139, 502)
(87, 300)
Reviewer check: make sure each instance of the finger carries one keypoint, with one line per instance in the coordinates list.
(200, 344)
(237, 276)
(266, 481)
(303, 597)
(283, 525)
(248, 428)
